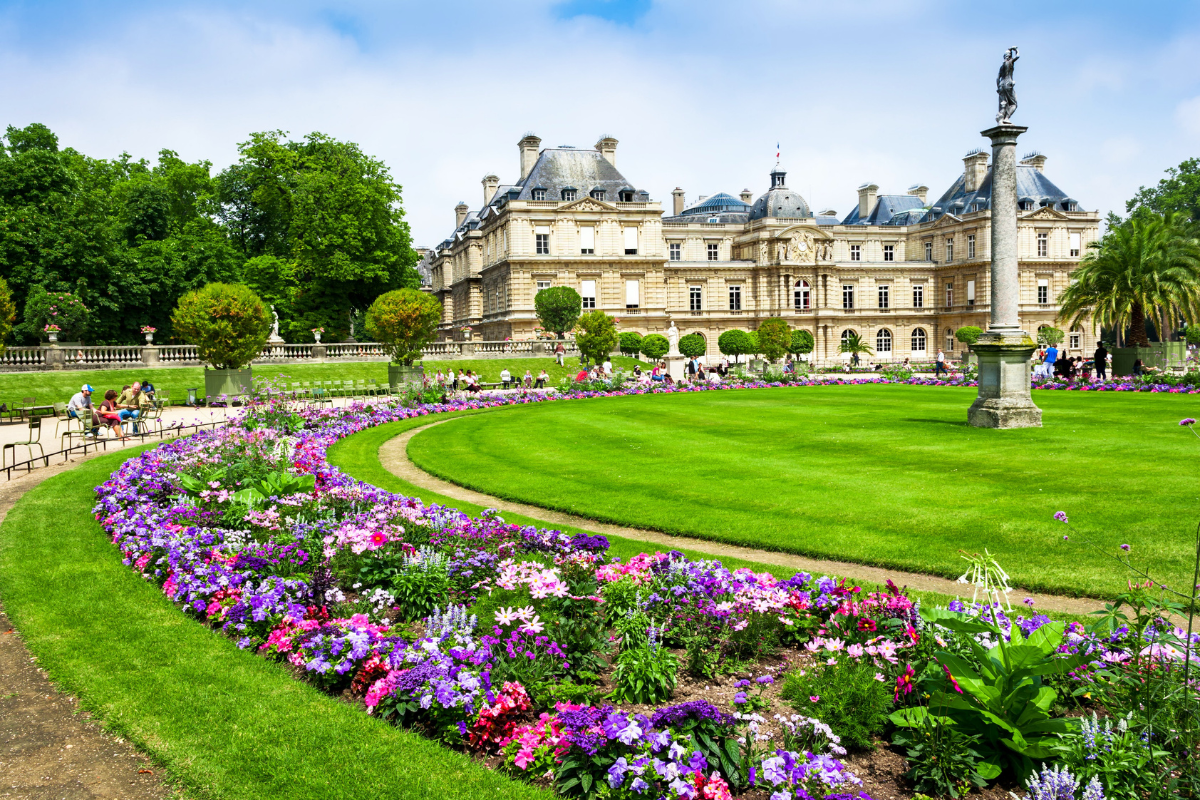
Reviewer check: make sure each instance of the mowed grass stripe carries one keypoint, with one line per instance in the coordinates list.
(224, 722)
(887, 475)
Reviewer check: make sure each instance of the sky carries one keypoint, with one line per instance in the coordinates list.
(698, 93)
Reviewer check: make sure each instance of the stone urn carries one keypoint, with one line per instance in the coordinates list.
(317, 336)
(52, 336)
(149, 338)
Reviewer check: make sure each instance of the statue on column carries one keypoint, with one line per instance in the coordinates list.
(1005, 87)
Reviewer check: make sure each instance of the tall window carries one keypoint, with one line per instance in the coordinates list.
(632, 294)
(541, 235)
(735, 298)
(949, 339)
(949, 250)
(848, 296)
(1043, 241)
(929, 251)
(883, 342)
(675, 249)
(856, 252)
(587, 289)
(539, 194)
(1075, 338)
(802, 296)
(568, 195)
(918, 341)
(970, 293)
(970, 245)
(543, 285)
(846, 334)
(631, 241)
(889, 252)
(1075, 245)
(918, 295)
(1043, 290)
(885, 295)
(714, 251)
(587, 240)
(695, 298)
(949, 294)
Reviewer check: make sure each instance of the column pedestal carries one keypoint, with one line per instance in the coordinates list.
(676, 367)
(1004, 399)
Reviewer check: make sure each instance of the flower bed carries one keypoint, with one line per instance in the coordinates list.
(657, 676)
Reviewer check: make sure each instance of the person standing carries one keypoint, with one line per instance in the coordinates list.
(607, 367)
(939, 366)
(691, 368)
(559, 353)
(1100, 357)
(505, 377)
(1048, 364)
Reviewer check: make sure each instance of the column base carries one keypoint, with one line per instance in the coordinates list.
(676, 367)
(1004, 399)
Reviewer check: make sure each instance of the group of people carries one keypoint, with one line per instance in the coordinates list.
(468, 381)
(115, 410)
(1055, 365)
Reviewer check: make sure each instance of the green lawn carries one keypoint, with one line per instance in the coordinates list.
(223, 722)
(51, 386)
(887, 475)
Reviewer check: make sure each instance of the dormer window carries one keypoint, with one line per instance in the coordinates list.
(568, 195)
(597, 194)
(1025, 205)
(539, 194)
(626, 195)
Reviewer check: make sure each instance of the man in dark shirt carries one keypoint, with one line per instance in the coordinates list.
(1101, 359)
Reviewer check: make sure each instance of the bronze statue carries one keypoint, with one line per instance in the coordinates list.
(1005, 87)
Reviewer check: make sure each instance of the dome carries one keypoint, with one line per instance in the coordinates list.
(779, 201)
(719, 203)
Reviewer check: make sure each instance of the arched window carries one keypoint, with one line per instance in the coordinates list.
(918, 341)
(883, 342)
(802, 295)
(846, 334)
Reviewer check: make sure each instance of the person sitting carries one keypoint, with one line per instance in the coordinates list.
(582, 375)
(80, 406)
(527, 381)
(148, 390)
(1138, 367)
(542, 377)
(110, 413)
(506, 377)
(132, 403)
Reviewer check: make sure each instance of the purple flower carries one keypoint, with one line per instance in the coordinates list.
(1061, 516)
(1187, 421)
(1125, 547)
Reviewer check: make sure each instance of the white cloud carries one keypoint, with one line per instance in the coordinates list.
(1187, 114)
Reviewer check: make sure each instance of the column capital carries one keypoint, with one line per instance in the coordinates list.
(1004, 134)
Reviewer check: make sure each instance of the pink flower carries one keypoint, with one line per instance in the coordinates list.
(815, 698)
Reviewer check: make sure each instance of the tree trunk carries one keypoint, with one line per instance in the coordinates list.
(1137, 326)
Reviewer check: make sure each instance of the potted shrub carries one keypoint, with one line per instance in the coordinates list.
(149, 332)
(403, 322)
(52, 332)
(969, 335)
(229, 325)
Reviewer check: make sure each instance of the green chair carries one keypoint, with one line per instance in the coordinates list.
(63, 418)
(88, 430)
(360, 388)
(35, 436)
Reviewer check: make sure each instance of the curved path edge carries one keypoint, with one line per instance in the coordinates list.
(393, 455)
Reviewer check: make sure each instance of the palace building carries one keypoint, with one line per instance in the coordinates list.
(898, 270)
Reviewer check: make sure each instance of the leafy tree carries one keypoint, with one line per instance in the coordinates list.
(631, 343)
(1050, 336)
(655, 346)
(693, 345)
(1179, 192)
(755, 346)
(558, 308)
(8, 313)
(1192, 335)
(63, 309)
(734, 343)
(596, 335)
(802, 342)
(854, 344)
(404, 321)
(774, 337)
(228, 323)
(968, 334)
(1148, 266)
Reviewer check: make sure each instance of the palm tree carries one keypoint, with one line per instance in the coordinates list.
(853, 344)
(1148, 265)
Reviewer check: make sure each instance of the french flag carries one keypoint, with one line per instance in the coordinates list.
(777, 150)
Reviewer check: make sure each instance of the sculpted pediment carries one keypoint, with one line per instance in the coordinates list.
(946, 219)
(587, 204)
(1045, 212)
(805, 244)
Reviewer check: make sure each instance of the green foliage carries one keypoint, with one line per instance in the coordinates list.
(1050, 336)
(596, 335)
(1192, 334)
(774, 338)
(848, 698)
(1116, 754)
(404, 321)
(734, 343)
(631, 343)
(853, 343)
(802, 342)
(655, 346)
(58, 308)
(420, 585)
(693, 345)
(558, 308)
(8, 312)
(755, 346)
(968, 334)
(1179, 192)
(897, 372)
(644, 674)
(227, 323)
(941, 760)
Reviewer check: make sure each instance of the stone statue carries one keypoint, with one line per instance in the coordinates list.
(1005, 87)
(673, 338)
(275, 337)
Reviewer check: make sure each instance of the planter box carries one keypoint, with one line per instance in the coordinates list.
(229, 382)
(1158, 354)
(401, 377)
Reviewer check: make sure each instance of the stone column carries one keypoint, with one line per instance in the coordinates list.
(1004, 350)
(150, 356)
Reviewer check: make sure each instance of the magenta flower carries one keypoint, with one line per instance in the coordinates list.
(1187, 421)
(1061, 516)
(1125, 547)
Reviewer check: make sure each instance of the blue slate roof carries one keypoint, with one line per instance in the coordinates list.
(717, 204)
(1033, 187)
(779, 201)
(886, 207)
(566, 168)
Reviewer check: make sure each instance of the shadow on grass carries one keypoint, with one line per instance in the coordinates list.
(956, 424)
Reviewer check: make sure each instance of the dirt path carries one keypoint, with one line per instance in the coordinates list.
(393, 454)
(49, 749)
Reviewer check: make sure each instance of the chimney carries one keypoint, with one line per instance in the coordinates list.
(866, 199)
(1035, 160)
(677, 195)
(919, 192)
(490, 183)
(975, 165)
(460, 213)
(608, 148)
(747, 196)
(529, 147)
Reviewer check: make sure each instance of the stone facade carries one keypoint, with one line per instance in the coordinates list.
(897, 270)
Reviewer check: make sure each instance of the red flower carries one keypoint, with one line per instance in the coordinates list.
(950, 678)
(904, 683)
(866, 624)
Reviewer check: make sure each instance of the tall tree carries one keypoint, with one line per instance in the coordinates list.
(1179, 191)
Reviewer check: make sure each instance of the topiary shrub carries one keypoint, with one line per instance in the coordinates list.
(774, 338)
(8, 312)
(968, 334)
(734, 343)
(693, 345)
(558, 308)
(404, 321)
(802, 342)
(226, 321)
(631, 343)
(1050, 336)
(655, 346)
(596, 335)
